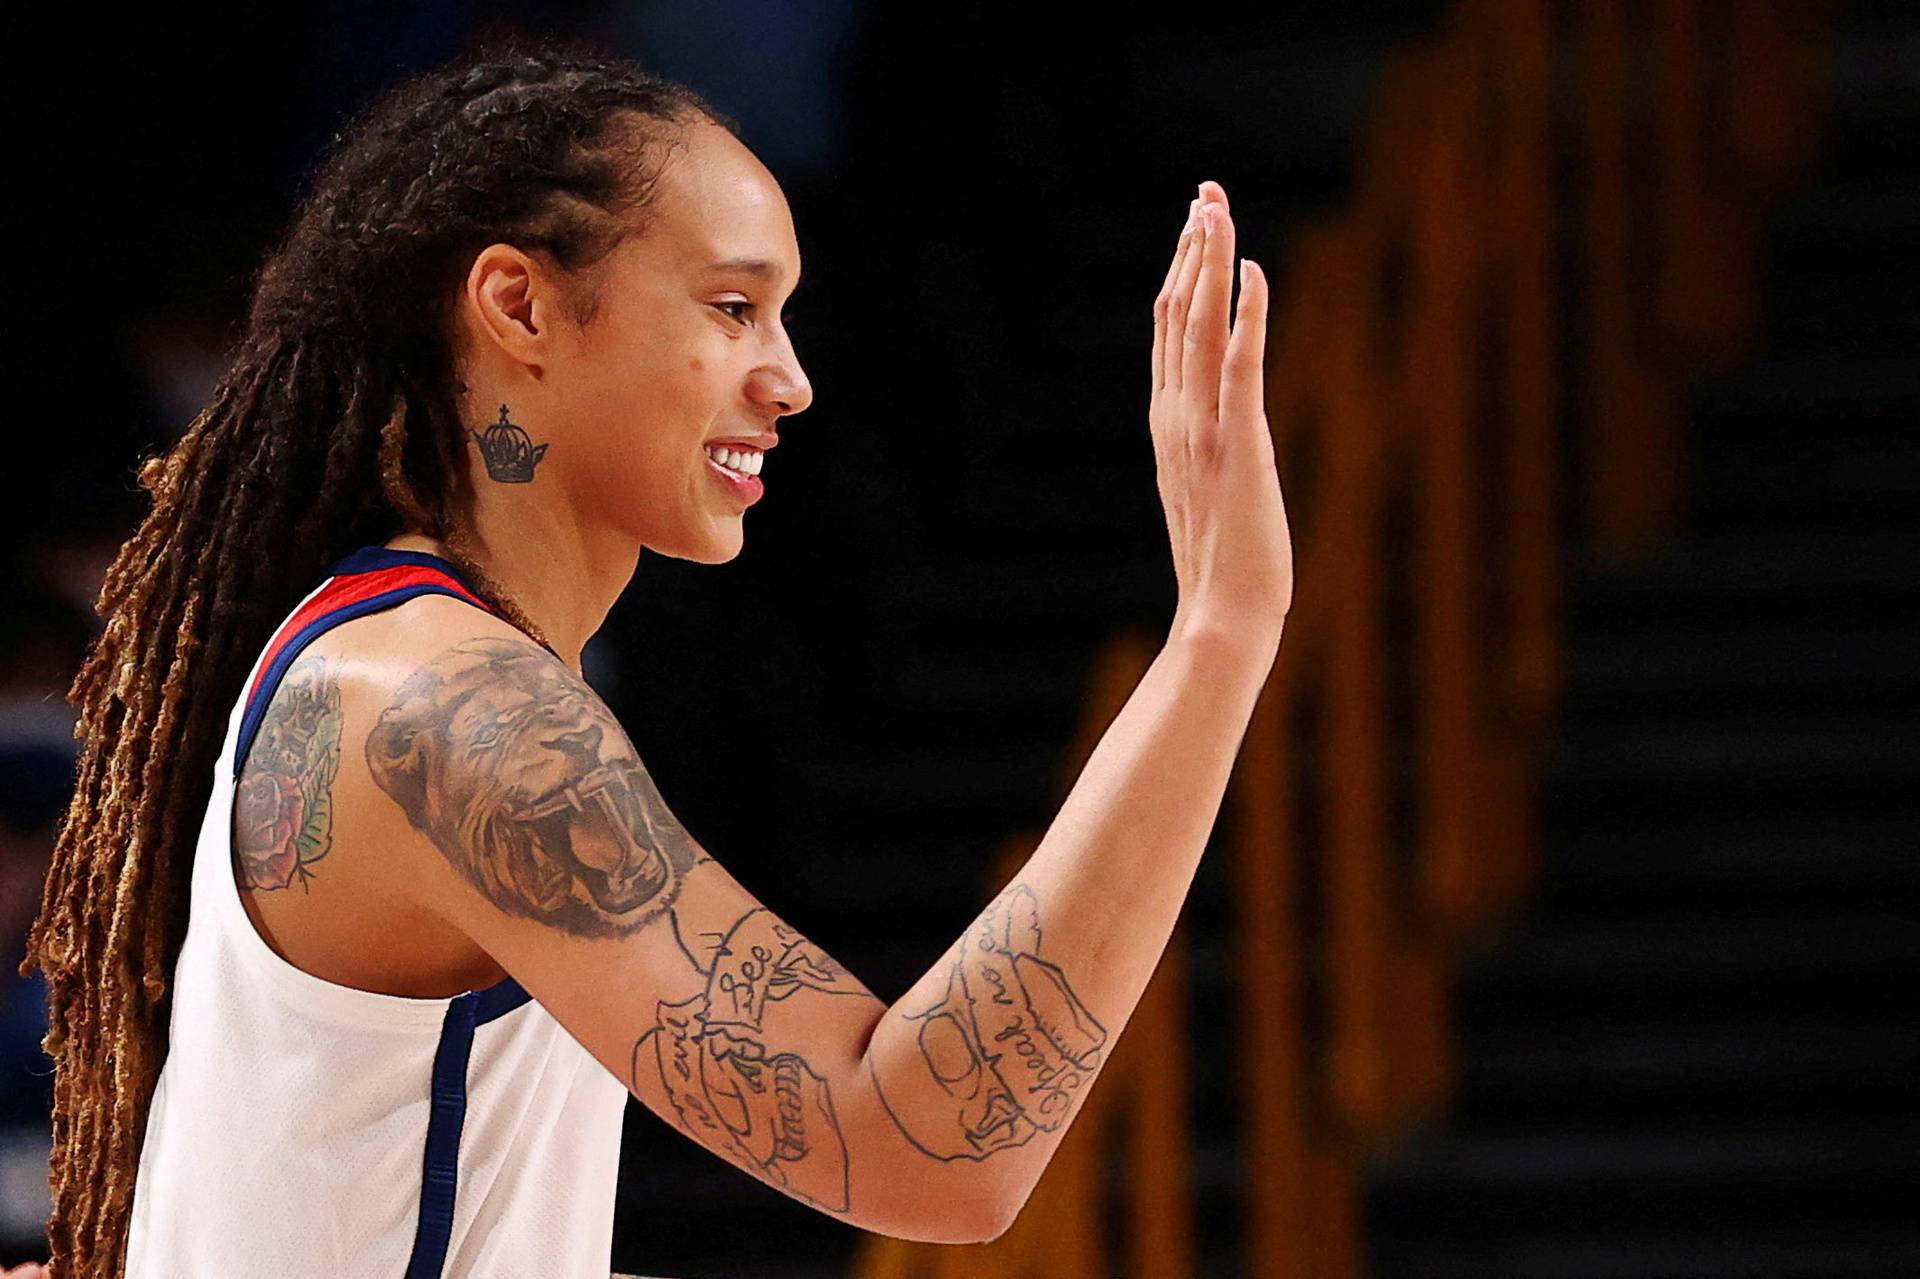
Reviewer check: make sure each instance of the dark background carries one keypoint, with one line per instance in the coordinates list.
(855, 712)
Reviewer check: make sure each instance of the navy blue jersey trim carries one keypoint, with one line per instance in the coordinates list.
(440, 1168)
(257, 709)
(498, 1000)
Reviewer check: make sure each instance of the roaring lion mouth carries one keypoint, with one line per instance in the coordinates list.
(631, 890)
(596, 826)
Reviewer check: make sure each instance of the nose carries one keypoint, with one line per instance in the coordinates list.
(784, 385)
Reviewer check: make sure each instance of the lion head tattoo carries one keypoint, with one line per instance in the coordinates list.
(519, 774)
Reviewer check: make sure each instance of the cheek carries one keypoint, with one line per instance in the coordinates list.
(645, 425)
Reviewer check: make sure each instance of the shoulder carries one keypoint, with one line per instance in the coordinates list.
(436, 689)
(382, 732)
(487, 756)
(431, 684)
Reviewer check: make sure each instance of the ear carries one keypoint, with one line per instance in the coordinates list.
(397, 756)
(498, 299)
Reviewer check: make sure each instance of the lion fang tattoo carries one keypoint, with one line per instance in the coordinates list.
(520, 776)
(283, 807)
(769, 1111)
(1006, 1049)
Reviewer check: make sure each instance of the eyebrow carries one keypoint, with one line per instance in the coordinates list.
(752, 266)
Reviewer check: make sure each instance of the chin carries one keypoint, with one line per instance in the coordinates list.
(720, 546)
(719, 554)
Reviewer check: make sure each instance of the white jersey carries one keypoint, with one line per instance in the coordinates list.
(301, 1127)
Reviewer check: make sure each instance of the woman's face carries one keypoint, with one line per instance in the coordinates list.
(688, 346)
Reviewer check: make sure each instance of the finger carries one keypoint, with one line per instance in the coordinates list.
(1243, 382)
(1205, 340)
(1165, 294)
(1164, 297)
(1180, 305)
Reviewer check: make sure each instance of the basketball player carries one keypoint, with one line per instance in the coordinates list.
(367, 919)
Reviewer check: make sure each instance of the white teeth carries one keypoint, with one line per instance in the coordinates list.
(741, 461)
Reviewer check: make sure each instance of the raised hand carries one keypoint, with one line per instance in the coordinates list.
(1232, 551)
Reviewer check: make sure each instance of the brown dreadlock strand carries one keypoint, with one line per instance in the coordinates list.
(393, 482)
(336, 425)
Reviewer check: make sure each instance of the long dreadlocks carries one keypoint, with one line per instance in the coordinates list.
(335, 425)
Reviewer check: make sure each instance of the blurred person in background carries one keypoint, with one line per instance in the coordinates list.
(43, 636)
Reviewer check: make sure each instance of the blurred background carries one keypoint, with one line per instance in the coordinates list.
(1561, 919)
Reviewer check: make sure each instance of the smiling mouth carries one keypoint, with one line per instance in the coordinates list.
(748, 488)
(733, 471)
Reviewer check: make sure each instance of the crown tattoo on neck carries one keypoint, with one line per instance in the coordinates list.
(510, 454)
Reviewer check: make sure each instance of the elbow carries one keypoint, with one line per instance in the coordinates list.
(999, 1218)
(955, 1221)
(996, 1226)
(958, 1227)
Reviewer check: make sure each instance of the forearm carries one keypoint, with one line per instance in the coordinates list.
(984, 1062)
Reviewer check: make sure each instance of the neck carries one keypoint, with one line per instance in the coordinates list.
(563, 575)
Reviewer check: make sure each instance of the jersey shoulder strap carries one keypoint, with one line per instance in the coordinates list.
(370, 580)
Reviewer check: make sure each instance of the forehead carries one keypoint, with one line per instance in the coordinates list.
(490, 697)
(717, 203)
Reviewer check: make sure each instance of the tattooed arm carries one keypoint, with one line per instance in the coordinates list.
(544, 840)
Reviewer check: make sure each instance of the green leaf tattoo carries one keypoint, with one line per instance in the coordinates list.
(283, 807)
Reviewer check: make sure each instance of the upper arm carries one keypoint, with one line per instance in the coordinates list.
(538, 832)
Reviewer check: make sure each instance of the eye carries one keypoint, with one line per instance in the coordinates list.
(786, 317)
